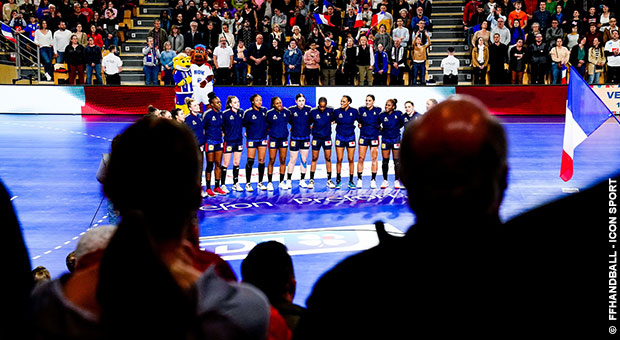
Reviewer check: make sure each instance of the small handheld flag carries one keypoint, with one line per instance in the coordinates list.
(359, 21)
(323, 19)
(585, 112)
(6, 32)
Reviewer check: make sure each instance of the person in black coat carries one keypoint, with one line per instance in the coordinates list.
(275, 63)
(579, 56)
(75, 59)
(258, 53)
(193, 37)
(498, 56)
(92, 57)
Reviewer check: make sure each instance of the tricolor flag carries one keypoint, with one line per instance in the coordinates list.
(323, 19)
(6, 32)
(564, 74)
(325, 5)
(359, 22)
(585, 112)
(377, 18)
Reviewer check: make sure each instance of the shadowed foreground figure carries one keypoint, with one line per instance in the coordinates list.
(445, 276)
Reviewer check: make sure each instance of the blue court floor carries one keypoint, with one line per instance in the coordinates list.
(49, 163)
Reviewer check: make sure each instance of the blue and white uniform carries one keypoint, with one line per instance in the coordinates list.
(371, 126)
(300, 127)
(345, 127)
(277, 128)
(255, 123)
(195, 123)
(391, 123)
(200, 73)
(233, 130)
(183, 91)
(321, 123)
(405, 118)
(213, 130)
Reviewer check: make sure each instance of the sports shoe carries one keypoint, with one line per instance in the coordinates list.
(261, 186)
(237, 187)
(359, 184)
(385, 184)
(48, 77)
(330, 184)
(373, 184)
(338, 184)
(396, 184)
(311, 184)
(269, 186)
(282, 186)
(210, 193)
(224, 189)
(351, 185)
(287, 184)
(302, 183)
(219, 191)
(248, 187)
(203, 193)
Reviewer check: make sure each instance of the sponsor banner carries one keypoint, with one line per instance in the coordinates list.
(42, 99)
(520, 100)
(609, 95)
(269, 203)
(299, 242)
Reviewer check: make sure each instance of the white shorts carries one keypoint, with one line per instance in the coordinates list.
(201, 95)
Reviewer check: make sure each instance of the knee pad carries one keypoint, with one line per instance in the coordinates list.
(209, 166)
(250, 162)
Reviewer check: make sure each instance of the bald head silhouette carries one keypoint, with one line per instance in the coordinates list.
(453, 159)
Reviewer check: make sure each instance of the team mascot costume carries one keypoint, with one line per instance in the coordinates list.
(202, 75)
(183, 80)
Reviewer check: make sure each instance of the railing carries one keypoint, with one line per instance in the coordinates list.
(27, 57)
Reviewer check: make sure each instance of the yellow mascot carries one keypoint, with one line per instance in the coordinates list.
(183, 80)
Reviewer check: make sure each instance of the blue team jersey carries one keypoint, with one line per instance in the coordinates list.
(369, 119)
(345, 121)
(195, 123)
(390, 125)
(30, 29)
(405, 118)
(232, 125)
(213, 123)
(178, 76)
(277, 123)
(322, 122)
(300, 122)
(255, 123)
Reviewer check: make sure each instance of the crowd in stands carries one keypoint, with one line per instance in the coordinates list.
(76, 33)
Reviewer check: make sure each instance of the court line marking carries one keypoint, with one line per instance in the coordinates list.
(58, 129)
(14, 197)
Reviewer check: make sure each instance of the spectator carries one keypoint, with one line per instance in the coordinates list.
(401, 32)
(210, 36)
(176, 39)
(591, 17)
(298, 37)
(112, 67)
(227, 34)
(517, 14)
(577, 21)
(490, 7)
(420, 17)
(292, 63)
(606, 16)
(608, 30)
(269, 268)
(572, 38)
(553, 33)
(328, 63)
(150, 62)
(559, 57)
(278, 35)
(43, 10)
(311, 60)
(518, 60)
(612, 53)
(82, 37)
(494, 16)
(592, 33)
(596, 62)
(498, 57)
(380, 66)
(503, 31)
(542, 17)
(62, 39)
(446, 135)
(40, 275)
(420, 56)
(96, 36)
(7, 8)
(223, 60)
(471, 8)
(398, 58)
(110, 36)
(484, 34)
(86, 11)
(43, 39)
(92, 57)
(166, 62)
(559, 16)
(426, 5)
(76, 17)
(349, 22)
(193, 37)
(32, 27)
(516, 32)
(579, 57)
(349, 66)
(480, 61)
(530, 37)
(315, 36)
(279, 19)
(28, 10)
(179, 8)
(383, 38)
(17, 22)
(257, 59)
(365, 61)
(240, 61)
(75, 59)
(247, 34)
(276, 55)
(538, 53)
(158, 34)
(111, 14)
(450, 68)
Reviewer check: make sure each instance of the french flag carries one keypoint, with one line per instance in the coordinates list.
(377, 18)
(359, 22)
(323, 19)
(585, 112)
(6, 32)
(325, 5)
